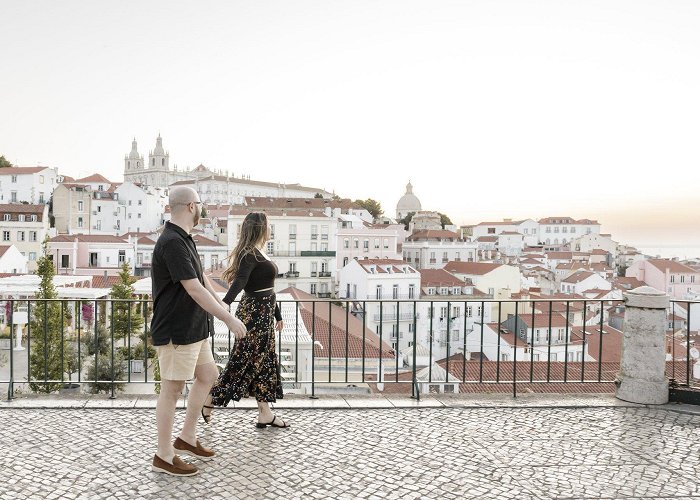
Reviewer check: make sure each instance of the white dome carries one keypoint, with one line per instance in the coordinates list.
(408, 202)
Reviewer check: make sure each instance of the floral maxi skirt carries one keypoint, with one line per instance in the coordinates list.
(252, 369)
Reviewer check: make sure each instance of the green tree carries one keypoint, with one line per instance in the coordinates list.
(4, 163)
(444, 220)
(126, 320)
(372, 206)
(50, 357)
(99, 371)
(204, 211)
(407, 220)
(318, 195)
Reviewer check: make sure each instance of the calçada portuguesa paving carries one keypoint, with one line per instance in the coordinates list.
(544, 446)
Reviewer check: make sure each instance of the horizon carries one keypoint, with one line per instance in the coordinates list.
(510, 110)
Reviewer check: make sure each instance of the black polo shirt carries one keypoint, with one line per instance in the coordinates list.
(176, 316)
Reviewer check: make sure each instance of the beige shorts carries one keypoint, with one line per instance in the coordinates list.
(178, 362)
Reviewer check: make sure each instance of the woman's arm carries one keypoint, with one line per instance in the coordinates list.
(246, 266)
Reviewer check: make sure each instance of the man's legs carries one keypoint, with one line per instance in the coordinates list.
(165, 417)
(205, 377)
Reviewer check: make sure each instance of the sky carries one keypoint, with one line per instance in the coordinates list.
(492, 109)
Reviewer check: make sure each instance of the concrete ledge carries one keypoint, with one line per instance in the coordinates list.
(328, 402)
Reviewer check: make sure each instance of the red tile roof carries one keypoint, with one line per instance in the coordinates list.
(438, 278)
(331, 332)
(473, 268)
(430, 234)
(4, 249)
(91, 238)
(671, 266)
(94, 178)
(21, 170)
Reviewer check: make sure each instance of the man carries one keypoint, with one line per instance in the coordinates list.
(183, 299)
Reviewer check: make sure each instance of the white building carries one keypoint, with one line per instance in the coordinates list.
(561, 230)
(448, 310)
(527, 227)
(303, 246)
(27, 184)
(556, 341)
(581, 282)
(141, 207)
(358, 239)
(368, 282)
(511, 243)
(432, 249)
(12, 261)
(487, 277)
(212, 254)
(25, 227)
(594, 241)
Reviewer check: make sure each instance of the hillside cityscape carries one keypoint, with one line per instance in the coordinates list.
(417, 285)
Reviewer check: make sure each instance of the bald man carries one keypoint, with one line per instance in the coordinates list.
(183, 300)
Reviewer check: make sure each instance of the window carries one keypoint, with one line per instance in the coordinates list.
(346, 243)
(376, 243)
(379, 292)
(411, 291)
(13, 196)
(129, 202)
(5, 236)
(98, 225)
(20, 235)
(395, 292)
(491, 230)
(122, 256)
(80, 206)
(138, 216)
(65, 261)
(386, 243)
(140, 202)
(314, 232)
(20, 217)
(673, 278)
(33, 218)
(32, 235)
(324, 232)
(365, 245)
(469, 311)
(292, 231)
(345, 261)
(6, 217)
(14, 179)
(32, 256)
(356, 243)
(313, 288)
(455, 312)
(80, 222)
(270, 247)
(99, 209)
(93, 259)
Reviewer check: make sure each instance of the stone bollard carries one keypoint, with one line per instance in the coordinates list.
(642, 377)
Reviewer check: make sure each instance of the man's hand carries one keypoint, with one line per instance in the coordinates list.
(236, 326)
(279, 325)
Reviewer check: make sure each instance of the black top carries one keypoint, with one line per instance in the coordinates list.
(255, 272)
(176, 316)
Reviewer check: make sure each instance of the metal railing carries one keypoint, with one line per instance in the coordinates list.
(97, 343)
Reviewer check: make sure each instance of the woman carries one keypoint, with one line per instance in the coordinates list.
(252, 369)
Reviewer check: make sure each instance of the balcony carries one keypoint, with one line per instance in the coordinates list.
(392, 316)
(293, 236)
(324, 274)
(291, 274)
(314, 274)
(314, 236)
(318, 253)
(324, 295)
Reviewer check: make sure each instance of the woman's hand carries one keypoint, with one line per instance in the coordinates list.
(279, 325)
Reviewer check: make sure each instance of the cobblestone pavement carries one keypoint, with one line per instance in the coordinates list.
(446, 453)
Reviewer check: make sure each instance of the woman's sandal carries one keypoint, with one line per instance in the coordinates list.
(207, 418)
(260, 425)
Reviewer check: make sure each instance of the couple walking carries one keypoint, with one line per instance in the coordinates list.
(184, 303)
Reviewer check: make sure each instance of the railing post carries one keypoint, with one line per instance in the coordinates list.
(642, 378)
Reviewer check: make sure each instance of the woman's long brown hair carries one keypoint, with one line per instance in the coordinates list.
(253, 230)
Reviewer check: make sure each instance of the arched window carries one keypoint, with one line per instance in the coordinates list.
(162, 161)
(153, 162)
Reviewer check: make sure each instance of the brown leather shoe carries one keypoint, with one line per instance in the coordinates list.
(198, 451)
(177, 468)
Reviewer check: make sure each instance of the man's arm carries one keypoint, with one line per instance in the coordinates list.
(210, 288)
(204, 299)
